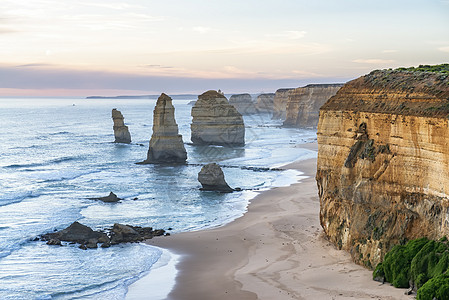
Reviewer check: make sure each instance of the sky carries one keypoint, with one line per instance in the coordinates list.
(112, 47)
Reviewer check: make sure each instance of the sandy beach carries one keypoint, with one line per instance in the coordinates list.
(277, 250)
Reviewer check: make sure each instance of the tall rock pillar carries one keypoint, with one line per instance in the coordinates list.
(166, 145)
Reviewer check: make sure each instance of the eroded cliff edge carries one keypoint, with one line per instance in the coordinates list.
(383, 162)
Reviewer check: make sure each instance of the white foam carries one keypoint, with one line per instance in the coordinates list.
(158, 282)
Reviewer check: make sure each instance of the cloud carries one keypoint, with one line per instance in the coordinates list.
(373, 61)
(7, 30)
(389, 51)
(201, 29)
(444, 49)
(34, 65)
(59, 79)
(289, 34)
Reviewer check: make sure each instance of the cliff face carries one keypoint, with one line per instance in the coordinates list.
(304, 104)
(280, 103)
(216, 122)
(121, 131)
(243, 103)
(166, 145)
(265, 103)
(383, 162)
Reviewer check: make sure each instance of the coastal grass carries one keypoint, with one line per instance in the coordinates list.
(421, 263)
(442, 68)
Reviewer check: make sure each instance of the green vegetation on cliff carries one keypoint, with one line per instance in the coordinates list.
(443, 68)
(421, 263)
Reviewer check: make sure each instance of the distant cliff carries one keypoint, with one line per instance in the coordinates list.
(304, 103)
(264, 103)
(243, 103)
(383, 161)
(280, 103)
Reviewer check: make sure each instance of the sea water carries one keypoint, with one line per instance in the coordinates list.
(57, 153)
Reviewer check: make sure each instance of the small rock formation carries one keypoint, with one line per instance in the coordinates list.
(280, 103)
(76, 233)
(243, 103)
(110, 198)
(212, 178)
(216, 122)
(265, 103)
(121, 131)
(304, 104)
(88, 239)
(383, 154)
(166, 145)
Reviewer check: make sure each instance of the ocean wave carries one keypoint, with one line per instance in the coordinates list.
(42, 164)
(14, 197)
(60, 175)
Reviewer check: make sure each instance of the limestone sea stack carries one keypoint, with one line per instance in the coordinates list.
(243, 103)
(265, 103)
(304, 104)
(121, 131)
(216, 122)
(212, 178)
(166, 145)
(383, 172)
(280, 103)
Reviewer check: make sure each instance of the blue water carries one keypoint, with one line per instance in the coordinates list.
(56, 153)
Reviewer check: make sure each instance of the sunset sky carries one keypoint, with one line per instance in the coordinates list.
(96, 47)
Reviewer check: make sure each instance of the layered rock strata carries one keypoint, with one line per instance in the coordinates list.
(121, 131)
(383, 162)
(166, 145)
(280, 103)
(304, 104)
(265, 103)
(216, 122)
(243, 103)
(212, 178)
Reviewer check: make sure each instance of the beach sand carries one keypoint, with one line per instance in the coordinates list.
(277, 250)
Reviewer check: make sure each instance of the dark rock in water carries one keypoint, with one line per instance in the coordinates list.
(212, 178)
(77, 233)
(54, 242)
(119, 233)
(111, 198)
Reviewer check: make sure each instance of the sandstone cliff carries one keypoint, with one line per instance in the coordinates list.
(121, 131)
(166, 145)
(243, 103)
(304, 104)
(216, 122)
(280, 103)
(383, 162)
(265, 103)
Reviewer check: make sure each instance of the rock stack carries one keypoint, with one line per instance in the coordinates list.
(265, 103)
(212, 178)
(243, 103)
(121, 131)
(280, 103)
(166, 145)
(216, 122)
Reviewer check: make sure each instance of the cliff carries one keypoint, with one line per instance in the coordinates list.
(216, 122)
(383, 162)
(166, 145)
(265, 103)
(121, 131)
(243, 103)
(304, 104)
(280, 103)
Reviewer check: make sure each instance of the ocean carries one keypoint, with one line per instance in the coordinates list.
(55, 153)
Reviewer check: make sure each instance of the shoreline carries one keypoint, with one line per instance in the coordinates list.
(277, 250)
